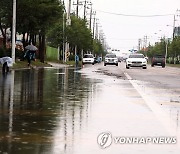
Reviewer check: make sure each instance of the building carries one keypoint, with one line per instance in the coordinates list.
(177, 31)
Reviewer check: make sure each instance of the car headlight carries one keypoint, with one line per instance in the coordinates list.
(129, 61)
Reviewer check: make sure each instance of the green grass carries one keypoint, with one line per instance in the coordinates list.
(173, 65)
(71, 63)
(24, 64)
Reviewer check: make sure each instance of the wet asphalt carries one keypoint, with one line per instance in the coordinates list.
(64, 110)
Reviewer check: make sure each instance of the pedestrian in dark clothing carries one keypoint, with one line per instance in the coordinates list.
(5, 68)
(76, 60)
(6, 62)
(29, 55)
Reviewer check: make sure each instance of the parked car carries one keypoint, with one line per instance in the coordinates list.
(88, 59)
(158, 60)
(136, 60)
(110, 59)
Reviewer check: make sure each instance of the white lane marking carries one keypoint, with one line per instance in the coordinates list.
(161, 114)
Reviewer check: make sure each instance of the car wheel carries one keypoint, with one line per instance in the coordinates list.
(144, 67)
(117, 64)
(127, 67)
(163, 66)
(92, 63)
(152, 65)
(104, 64)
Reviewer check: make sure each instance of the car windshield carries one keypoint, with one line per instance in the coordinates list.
(136, 56)
(88, 56)
(111, 56)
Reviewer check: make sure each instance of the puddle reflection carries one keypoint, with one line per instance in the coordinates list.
(41, 110)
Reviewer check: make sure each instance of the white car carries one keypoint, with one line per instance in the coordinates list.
(110, 59)
(88, 59)
(136, 60)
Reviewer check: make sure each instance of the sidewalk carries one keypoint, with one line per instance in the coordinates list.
(58, 65)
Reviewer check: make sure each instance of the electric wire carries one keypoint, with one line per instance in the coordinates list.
(132, 15)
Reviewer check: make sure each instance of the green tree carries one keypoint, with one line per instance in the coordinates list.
(5, 18)
(98, 48)
(34, 17)
(79, 35)
(174, 49)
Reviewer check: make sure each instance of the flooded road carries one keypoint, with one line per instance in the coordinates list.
(39, 107)
(63, 111)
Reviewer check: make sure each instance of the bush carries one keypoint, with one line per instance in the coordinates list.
(71, 58)
(19, 54)
(7, 52)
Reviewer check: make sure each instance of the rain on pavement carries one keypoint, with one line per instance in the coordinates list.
(52, 111)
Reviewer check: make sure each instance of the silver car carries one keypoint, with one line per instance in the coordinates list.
(111, 59)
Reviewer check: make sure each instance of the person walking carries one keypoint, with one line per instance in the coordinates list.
(77, 60)
(29, 55)
(6, 62)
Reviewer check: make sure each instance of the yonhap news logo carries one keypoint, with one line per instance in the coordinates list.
(105, 140)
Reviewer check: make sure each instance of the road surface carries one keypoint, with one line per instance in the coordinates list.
(96, 109)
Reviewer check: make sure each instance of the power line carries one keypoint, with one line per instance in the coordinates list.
(132, 15)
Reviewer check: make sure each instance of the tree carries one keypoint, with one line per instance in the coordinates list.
(5, 18)
(33, 18)
(38, 17)
(55, 35)
(98, 48)
(174, 49)
(79, 35)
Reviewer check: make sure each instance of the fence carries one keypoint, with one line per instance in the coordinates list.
(52, 53)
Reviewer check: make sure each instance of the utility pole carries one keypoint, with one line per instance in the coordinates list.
(77, 8)
(94, 22)
(63, 36)
(14, 32)
(91, 12)
(85, 2)
(166, 42)
(68, 23)
(96, 35)
(174, 26)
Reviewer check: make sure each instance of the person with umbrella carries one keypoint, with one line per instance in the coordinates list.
(6, 62)
(30, 53)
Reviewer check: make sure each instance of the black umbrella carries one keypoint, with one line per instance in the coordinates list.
(31, 47)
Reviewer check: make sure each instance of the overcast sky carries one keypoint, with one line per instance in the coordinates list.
(123, 32)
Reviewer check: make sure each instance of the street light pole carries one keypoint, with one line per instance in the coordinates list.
(174, 26)
(166, 42)
(68, 23)
(14, 32)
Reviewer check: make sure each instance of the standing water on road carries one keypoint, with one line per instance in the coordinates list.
(41, 110)
(52, 111)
